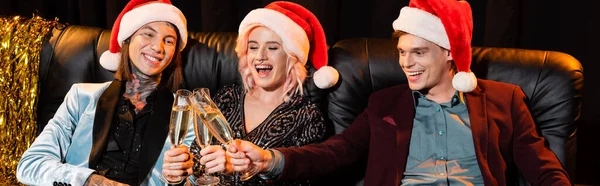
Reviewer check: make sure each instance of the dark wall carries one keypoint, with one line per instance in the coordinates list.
(534, 24)
(588, 162)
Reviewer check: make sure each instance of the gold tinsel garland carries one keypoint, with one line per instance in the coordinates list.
(20, 45)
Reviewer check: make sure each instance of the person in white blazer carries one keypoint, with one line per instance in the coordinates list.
(116, 133)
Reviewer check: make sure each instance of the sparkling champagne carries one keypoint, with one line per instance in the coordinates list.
(203, 136)
(217, 124)
(180, 118)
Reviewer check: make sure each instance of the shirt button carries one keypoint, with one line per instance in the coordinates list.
(441, 132)
(438, 109)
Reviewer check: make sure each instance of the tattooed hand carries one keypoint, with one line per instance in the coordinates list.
(139, 88)
(98, 180)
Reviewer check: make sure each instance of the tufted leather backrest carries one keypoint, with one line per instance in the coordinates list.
(552, 82)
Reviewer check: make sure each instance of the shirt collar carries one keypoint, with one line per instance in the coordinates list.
(457, 98)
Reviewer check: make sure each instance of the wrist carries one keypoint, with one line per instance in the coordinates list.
(269, 159)
(273, 165)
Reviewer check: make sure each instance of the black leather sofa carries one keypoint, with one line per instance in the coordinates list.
(552, 81)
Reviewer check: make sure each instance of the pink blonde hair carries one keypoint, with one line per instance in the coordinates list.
(296, 73)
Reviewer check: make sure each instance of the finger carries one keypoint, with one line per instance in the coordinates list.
(177, 166)
(240, 168)
(186, 165)
(175, 151)
(217, 150)
(182, 146)
(170, 166)
(211, 149)
(238, 144)
(244, 146)
(216, 162)
(239, 162)
(185, 157)
(237, 155)
(219, 168)
(231, 148)
(211, 157)
(190, 157)
(207, 150)
(178, 158)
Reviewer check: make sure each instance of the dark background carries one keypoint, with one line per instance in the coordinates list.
(564, 26)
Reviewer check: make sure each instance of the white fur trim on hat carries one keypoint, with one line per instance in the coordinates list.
(138, 17)
(464, 81)
(110, 61)
(292, 35)
(422, 24)
(326, 77)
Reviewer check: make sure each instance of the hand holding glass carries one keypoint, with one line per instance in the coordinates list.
(180, 118)
(219, 127)
(203, 136)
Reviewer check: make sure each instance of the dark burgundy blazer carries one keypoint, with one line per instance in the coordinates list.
(503, 131)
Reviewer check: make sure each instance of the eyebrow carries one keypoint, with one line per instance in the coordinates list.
(418, 49)
(268, 42)
(153, 30)
(148, 27)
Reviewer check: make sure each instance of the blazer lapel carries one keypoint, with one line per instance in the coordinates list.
(103, 118)
(476, 105)
(156, 133)
(403, 116)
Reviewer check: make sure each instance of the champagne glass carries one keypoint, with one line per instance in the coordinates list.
(181, 114)
(219, 127)
(203, 136)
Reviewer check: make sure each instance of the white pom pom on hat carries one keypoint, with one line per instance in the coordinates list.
(464, 81)
(326, 77)
(110, 61)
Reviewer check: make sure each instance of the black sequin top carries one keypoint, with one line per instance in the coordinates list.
(294, 123)
(120, 160)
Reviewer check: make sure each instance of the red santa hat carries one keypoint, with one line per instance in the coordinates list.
(136, 14)
(301, 33)
(447, 23)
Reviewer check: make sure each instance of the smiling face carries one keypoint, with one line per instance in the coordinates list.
(267, 61)
(152, 47)
(426, 65)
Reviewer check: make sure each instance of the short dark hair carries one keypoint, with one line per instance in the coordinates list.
(173, 74)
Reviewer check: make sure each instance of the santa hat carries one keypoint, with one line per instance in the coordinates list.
(136, 14)
(301, 33)
(447, 23)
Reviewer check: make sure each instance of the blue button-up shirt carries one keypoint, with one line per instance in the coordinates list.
(441, 144)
